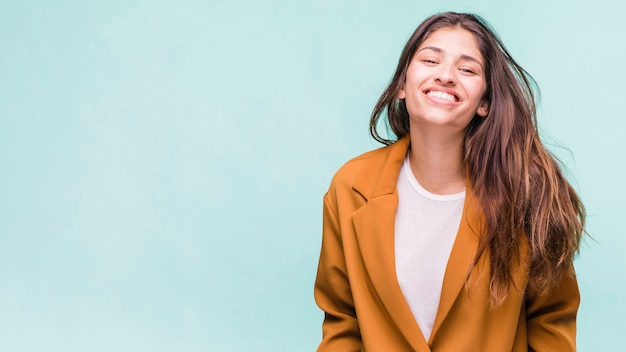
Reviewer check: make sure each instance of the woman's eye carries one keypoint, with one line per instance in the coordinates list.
(429, 61)
(467, 70)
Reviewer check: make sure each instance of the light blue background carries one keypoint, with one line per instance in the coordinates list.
(162, 163)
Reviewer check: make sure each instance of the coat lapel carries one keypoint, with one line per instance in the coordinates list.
(374, 225)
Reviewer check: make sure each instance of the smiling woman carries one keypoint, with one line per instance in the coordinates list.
(459, 235)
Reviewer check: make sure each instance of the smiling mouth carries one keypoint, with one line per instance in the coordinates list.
(442, 95)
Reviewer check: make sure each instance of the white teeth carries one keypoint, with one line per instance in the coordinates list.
(441, 95)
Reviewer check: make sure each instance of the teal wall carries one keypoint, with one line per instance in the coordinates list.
(162, 163)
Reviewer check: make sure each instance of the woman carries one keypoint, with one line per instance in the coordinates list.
(460, 234)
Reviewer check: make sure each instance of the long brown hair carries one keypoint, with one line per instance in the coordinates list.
(519, 185)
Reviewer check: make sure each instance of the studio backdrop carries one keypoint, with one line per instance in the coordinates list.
(162, 163)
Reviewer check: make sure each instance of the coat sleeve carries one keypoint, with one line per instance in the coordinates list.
(551, 318)
(340, 328)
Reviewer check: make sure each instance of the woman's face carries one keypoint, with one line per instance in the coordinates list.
(445, 81)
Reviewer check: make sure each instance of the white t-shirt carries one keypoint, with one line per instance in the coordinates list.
(426, 225)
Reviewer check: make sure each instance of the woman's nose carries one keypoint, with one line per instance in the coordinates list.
(446, 74)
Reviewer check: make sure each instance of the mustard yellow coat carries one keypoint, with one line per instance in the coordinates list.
(364, 308)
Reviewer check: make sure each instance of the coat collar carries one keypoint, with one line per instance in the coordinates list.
(374, 223)
(381, 174)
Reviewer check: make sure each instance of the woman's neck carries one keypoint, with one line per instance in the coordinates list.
(437, 162)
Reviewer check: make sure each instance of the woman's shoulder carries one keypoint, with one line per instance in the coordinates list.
(353, 167)
(373, 161)
(356, 164)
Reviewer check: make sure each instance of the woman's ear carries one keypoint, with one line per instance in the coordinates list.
(401, 93)
(483, 109)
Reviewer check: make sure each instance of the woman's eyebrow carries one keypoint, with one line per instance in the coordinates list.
(433, 48)
(441, 51)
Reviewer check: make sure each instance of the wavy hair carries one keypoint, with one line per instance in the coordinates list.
(517, 182)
